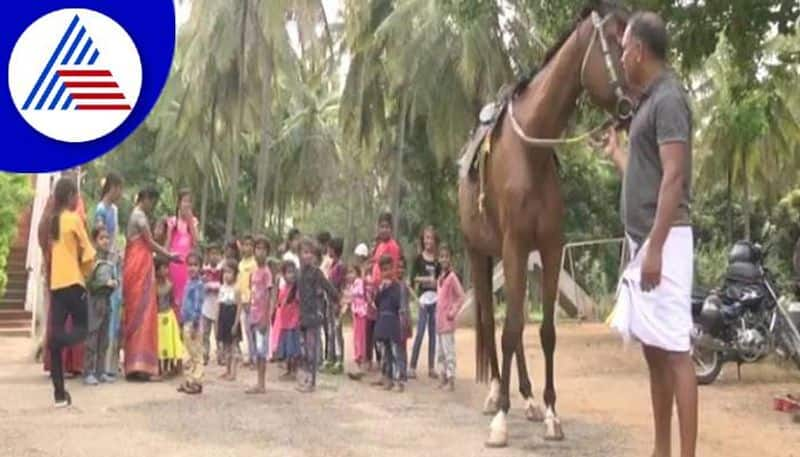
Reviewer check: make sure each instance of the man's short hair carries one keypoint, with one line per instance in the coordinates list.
(650, 29)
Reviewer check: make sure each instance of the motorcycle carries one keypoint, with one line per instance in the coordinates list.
(744, 320)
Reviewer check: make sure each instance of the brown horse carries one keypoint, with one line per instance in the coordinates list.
(523, 207)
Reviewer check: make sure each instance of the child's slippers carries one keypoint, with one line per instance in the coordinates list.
(355, 376)
(194, 389)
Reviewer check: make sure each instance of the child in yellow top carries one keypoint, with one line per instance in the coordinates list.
(71, 261)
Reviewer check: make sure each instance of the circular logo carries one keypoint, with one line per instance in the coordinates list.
(75, 75)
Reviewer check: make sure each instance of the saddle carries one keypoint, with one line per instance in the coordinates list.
(479, 146)
(481, 135)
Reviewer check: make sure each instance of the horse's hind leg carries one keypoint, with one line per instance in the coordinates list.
(533, 412)
(551, 265)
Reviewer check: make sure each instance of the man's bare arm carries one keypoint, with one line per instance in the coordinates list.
(673, 158)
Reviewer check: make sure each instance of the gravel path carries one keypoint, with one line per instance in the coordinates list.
(603, 400)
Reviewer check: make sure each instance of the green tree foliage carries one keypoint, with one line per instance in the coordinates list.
(278, 115)
(15, 193)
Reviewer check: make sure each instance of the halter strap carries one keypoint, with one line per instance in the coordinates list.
(624, 106)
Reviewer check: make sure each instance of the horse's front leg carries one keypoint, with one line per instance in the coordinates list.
(533, 411)
(514, 264)
(551, 264)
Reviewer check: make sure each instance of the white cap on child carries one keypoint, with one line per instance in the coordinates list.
(362, 250)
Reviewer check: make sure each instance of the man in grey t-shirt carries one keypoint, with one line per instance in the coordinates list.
(654, 303)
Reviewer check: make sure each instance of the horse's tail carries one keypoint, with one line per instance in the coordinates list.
(483, 315)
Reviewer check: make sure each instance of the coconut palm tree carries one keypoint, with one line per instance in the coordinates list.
(749, 130)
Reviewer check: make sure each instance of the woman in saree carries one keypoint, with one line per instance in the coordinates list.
(139, 292)
(181, 240)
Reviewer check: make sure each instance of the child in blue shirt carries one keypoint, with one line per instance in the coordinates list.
(191, 316)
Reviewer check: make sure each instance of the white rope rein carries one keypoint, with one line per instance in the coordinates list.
(552, 142)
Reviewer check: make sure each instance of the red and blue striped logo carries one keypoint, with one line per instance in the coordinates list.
(74, 78)
(75, 75)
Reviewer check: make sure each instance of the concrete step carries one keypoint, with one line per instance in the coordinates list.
(17, 255)
(18, 252)
(12, 303)
(15, 333)
(17, 285)
(16, 323)
(14, 314)
(16, 265)
(19, 276)
(14, 293)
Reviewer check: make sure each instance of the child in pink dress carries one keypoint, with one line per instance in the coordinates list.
(276, 267)
(287, 318)
(356, 298)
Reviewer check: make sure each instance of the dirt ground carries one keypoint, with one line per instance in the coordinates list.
(603, 402)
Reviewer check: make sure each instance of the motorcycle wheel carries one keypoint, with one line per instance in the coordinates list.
(707, 365)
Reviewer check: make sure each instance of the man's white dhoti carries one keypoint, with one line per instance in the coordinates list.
(662, 317)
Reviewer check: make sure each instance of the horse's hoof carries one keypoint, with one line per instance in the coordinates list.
(498, 432)
(492, 404)
(553, 431)
(534, 412)
(490, 407)
(496, 445)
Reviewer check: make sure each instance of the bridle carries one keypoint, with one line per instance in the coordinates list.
(624, 106)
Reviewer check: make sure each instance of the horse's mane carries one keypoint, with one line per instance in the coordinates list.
(603, 7)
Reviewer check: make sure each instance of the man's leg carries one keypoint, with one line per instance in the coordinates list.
(661, 395)
(685, 386)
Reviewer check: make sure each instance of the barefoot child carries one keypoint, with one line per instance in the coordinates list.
(387, 328)
(406, 294)
(449, 298)
(260, 311)
(212, 280)
(312, 287)
(336, 274)
(228, 324)
(385, 244)
(101, 285)
(170, 348)
(356, 301)
(192, 318)
(287, 318)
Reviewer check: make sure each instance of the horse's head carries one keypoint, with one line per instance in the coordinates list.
(602, 76)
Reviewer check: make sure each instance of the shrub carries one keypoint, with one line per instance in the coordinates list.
(15, 192)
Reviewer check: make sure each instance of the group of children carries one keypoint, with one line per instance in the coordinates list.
(291, 310)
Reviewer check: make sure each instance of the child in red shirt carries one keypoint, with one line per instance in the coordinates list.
(386, 245)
